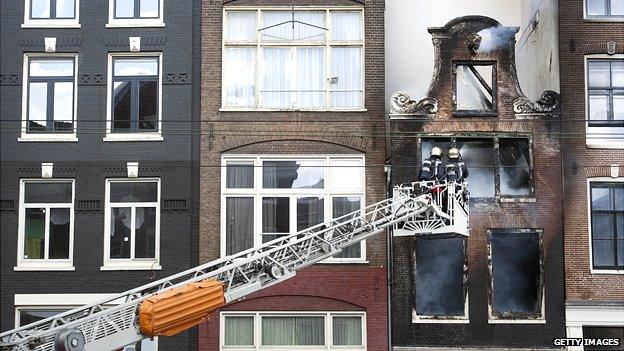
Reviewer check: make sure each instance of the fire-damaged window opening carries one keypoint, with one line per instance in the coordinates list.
(474, 89)
(499, 167)
(516, 275)
(440, 277)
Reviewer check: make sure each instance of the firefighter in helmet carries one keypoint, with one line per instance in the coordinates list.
(455, 168)
(433, 166)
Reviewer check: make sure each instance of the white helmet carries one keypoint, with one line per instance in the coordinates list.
(453, 152)
(436, 151)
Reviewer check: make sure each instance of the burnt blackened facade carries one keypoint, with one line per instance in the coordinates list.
(503, 285)
(98, 158)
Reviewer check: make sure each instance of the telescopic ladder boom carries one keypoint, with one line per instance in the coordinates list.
(100, 327)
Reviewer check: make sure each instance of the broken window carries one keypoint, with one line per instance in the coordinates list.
(515, 174)
(603, 333)
(475, 89)
(293, 174)
(479, 157)
(607, 225)
(439, 277)
(516, 275)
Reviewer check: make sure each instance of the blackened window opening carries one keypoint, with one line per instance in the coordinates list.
(607, 225)
(475, 88)
(605, 90)
(135, 95)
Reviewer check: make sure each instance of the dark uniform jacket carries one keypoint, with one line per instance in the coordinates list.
(432, 169)
(456, 170)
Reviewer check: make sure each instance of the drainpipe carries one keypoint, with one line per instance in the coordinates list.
(388, 169)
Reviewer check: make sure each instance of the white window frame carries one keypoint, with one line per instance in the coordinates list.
(134, 22)
(258, 193)
(51, 22)
(131, 263)
(327, 45)
(608, 18)
(257, 316)
(44, 264)
(599, 143)
(589, 224)
(47, 137)
(579, 316)
(130, 136)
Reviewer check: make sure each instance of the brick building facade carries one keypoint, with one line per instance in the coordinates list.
(502, 286)
(292, 135)
(592, 48)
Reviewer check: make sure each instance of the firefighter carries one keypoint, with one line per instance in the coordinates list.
(455, 168)
(432, 166)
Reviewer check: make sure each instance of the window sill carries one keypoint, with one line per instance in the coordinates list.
(51, 24)
(606, 271)
(517, 199)
(603, 144)
(131, 267)
(60, 138)
(604, 19)
(43, 267)
(440, 321)
(517, 321)
(344, 261)
(234, 109)
(133, 137)
(134, 24)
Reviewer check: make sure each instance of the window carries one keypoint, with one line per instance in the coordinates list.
(132, 224)
(313, 63)
(265, 198)
(49, 104)
(51, 13)
(604, 9)
(135, 96)
(135, 13)
(497, 166)
(603, 333)
(605, 92)
(607, 225)
(475, 88)
(46, 224)
(276, 330)
(440, 289)
(516, 280)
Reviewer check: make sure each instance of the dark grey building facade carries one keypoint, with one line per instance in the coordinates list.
(98, 152)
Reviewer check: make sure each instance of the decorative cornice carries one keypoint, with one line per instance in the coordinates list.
(402, 105)
(548, 103)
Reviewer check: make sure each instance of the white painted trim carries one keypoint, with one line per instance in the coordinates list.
(589, 223)
(43, 267)
(53, 138)
(148, 136)
(50, 23)
(134, 22)
(577, 317)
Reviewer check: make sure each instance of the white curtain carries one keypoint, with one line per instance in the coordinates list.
(276, 84)
(239, 176)
(311, 77)
(310, 212)
(346, 26)
(240, 76)
(239, 220)
(239, 331)
(347, 331)
(346, 65)
(294, 331)
(241, 26)
(288, 31)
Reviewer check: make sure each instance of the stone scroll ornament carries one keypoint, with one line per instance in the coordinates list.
(401, 104)
(547, 103)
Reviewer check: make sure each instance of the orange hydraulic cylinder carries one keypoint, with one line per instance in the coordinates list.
(179, 309)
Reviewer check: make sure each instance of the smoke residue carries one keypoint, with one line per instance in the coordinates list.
(493, 38)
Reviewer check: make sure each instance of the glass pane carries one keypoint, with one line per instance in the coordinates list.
(239, 176)
(619, 197)
(120, 232)
(479, 157)
(440, 282)
(31, 316)
(122, 105)
(310, 212)
(516, 273)
(240, 76)
(241, 26)
(618, 107)
(596, 8)
(514, 170)
(39, 8)
(293, 331)
(239, 331)
(63, 106)
(65, 8)
(599, 73)
(346, 25)
(53, 192)
(617, 8)
(598, 107)
(136, 67)
(311, 77)
(124, 8)
(145, 232)
(239, 224)
(602, 225)
(615, 332)
(148, 105)
(620, 253)
(293, 174)
(149, 8)
(474, 87)
(59, 233)
(342, 206)
(34, 233)
(617, 70)
(604, 252)
(276, 84)
(37, 106)
(347, 331)
(346, 175)
(51, 68)
(620, 225)
(275, 215)
(308, 26)
(346, 77)
(133, 192)
(601, 198)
